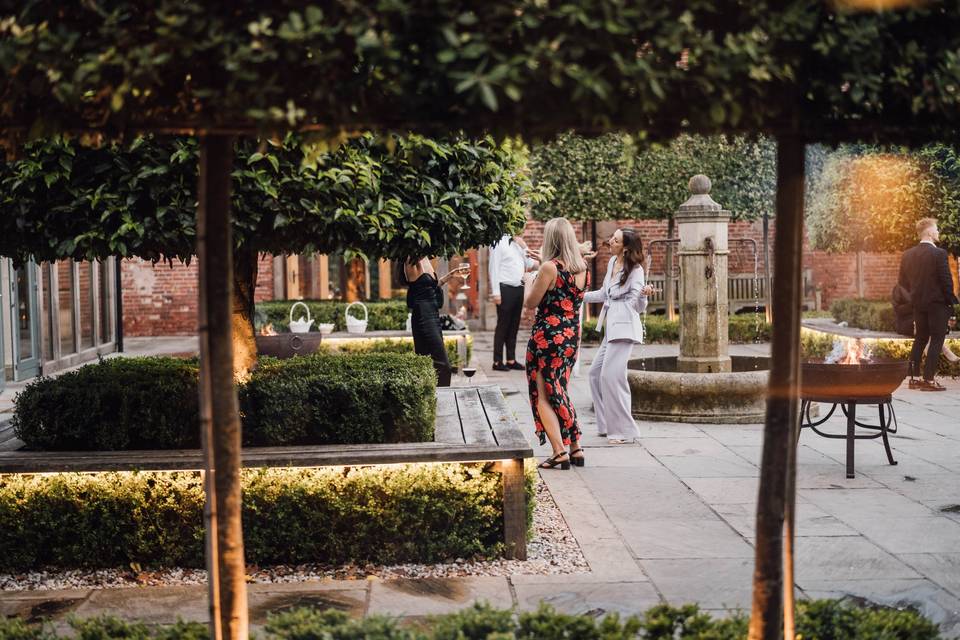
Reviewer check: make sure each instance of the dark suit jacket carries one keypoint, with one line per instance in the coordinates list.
(925, 273)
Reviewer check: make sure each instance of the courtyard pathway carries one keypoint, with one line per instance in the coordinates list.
(671, 519)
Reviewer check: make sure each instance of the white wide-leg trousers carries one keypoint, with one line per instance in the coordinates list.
(611, 392)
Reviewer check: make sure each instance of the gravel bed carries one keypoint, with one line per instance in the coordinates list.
(553, 550)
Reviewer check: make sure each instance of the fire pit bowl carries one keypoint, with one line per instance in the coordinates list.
(869, 381)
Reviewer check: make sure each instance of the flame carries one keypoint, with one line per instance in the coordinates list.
(848, 352)
(267, 330)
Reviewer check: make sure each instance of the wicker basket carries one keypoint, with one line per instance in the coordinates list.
(355, 325)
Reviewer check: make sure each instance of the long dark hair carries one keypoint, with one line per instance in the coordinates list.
(632, 252)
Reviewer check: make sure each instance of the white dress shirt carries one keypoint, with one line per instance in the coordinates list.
(508, 263)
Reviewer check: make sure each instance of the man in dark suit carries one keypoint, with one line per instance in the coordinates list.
(925, 274)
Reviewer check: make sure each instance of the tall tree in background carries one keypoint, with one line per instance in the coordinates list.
(865, 198)
(615, 177)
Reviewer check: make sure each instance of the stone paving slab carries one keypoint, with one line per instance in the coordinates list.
(574, 597)
(714, 583)
(826, 558)
(434, 596)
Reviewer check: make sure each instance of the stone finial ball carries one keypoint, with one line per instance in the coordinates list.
(700, 185)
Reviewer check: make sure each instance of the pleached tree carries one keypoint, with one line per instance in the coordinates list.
(382, 196)
(801, 71)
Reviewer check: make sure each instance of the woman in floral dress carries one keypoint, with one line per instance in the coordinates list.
(556, 293)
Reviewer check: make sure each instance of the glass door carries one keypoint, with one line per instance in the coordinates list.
(26, 321)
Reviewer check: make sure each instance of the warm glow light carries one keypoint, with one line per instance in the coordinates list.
(848, 352)
(878, 5)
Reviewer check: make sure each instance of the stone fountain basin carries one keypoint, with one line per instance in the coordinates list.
(660, 392)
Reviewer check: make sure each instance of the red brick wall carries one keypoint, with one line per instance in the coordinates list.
(161, 300)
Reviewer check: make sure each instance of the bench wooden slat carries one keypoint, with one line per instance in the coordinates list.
(505, 426)
(318, 456)
(447, 427)
(473, 418)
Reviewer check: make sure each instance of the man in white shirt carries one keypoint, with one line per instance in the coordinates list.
(508, 263)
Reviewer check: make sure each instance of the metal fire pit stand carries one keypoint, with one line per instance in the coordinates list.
(888, 423)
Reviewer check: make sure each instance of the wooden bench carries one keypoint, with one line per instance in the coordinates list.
(473, 425)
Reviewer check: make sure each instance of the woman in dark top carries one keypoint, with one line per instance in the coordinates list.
(425, 299)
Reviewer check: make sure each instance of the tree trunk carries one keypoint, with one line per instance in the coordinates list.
(782, 398)
(219, 410)
(244, 285)
(356, 280)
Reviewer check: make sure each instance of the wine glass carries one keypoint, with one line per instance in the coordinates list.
(469, 371)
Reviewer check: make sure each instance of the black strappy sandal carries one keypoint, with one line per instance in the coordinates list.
(580, 460)
(555, 461)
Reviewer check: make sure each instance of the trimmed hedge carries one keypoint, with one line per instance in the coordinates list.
(817, 344)
(816, 620)
(395, 345)
(746, 328)
(386, 514)
(383, 316)
(340, 399)
(115, 404)
(151, 403)
(872, 315)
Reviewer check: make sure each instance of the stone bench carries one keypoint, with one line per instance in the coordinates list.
(473, 425)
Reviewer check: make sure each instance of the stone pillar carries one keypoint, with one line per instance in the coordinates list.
(702, 226)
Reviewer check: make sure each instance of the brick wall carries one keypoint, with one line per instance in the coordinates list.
(161, 300)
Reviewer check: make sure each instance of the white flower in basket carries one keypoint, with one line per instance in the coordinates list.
(303, 323)
(355, 325)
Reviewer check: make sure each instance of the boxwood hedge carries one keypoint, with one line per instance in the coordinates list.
(872, 315)
(817, 344)
(151, 403)
(745, 328)
(387, 514)
(816, 620)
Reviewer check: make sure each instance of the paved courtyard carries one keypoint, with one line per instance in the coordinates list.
(671, 519)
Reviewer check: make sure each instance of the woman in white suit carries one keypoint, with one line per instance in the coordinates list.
(624, 295)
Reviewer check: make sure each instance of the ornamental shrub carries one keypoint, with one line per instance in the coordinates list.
(151, 403)
(340, 399)
(872, 315)
(816, 620)
(746, 328)
(115, 404)
(386, 514)
(395, 345)
(817, 344)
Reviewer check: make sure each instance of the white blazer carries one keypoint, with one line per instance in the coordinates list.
(622, 304)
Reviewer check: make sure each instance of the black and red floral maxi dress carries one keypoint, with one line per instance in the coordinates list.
(552, 351)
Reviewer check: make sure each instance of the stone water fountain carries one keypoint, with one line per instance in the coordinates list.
(704, 384)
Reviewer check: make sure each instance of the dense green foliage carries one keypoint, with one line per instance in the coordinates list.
(609, 178)
(864, 201)
(873, 315)
(868, 198)
(817, 344)
(386, 514)
(382, 316)
(340, 399)
(803, 65)
(816, 620)
(745, 329)
(390, 197)
(151, 403)
(396, 345)
(115, 404)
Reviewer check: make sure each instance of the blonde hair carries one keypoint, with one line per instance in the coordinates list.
(923, 224)
(560, 243)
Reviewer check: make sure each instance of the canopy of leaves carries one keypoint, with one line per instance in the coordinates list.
(607, 178)
(866, 198)
(802, 66)
(390, 197)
